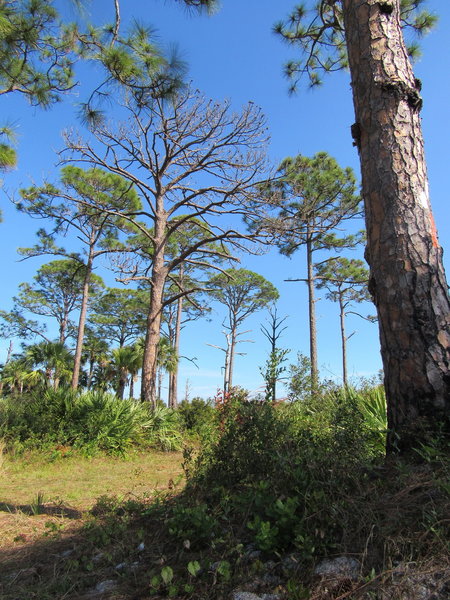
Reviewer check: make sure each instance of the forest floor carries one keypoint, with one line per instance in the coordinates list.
(73, 528)
(46, 507)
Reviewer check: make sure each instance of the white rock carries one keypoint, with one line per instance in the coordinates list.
(105, 586)
(342, 566)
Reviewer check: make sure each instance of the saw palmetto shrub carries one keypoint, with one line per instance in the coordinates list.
(89, 421)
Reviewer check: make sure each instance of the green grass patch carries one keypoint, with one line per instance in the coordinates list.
(79, 480)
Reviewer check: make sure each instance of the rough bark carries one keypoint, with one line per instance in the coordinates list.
(153, 333)
(407, 277)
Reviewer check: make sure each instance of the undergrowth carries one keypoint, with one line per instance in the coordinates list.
(271, 491)
(91, 422)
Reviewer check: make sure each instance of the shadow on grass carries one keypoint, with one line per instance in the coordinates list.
(103, 554)
(82, 560)
(51, 509)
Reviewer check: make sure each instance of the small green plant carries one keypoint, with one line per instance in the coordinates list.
(223, 569)
(53, 528)
(37, 505)
(296, 590)
(167, 575)
(193, 525)
(197, 416)
(194, 568)
(266, 534)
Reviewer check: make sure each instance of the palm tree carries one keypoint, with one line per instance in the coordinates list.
(17, 376)
(126, 362)
(95, 352)
(55, 360)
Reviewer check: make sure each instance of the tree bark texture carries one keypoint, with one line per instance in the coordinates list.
(153, 333)
(407, 277)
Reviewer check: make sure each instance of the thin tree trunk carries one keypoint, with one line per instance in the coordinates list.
(62, 330)
(232, 354)
(149, 366)
(343, 341)
(91, 372)
(312, 317)
(173, 377)
(226, 375)
(160, 375)
(82, 321)
(10, 349)
(407, 277)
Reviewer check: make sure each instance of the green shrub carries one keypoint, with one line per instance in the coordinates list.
(98, 420)
(288, 469)
(163, 429)
(91, 421)
(197, 416)
(193, 525)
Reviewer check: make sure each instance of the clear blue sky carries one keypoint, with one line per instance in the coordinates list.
(234, 55)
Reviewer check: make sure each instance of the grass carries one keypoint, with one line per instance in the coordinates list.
(35, 492)
(80, 481)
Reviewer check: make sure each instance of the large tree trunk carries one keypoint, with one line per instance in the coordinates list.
(158, 279)
(407, 276)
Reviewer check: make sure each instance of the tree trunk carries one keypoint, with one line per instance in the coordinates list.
(232, 354)
(226, 374)
(160, 375)
(226, 385)
(173, 377)
(312, 316)
(407, 277)
(123, 378)
(132, 382)
(91, 372)
(62, 330)
(82, 322)
(10, 349)
(153, 333)
(343, 341)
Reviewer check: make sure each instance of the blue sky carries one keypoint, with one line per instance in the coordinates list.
(234, 55)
